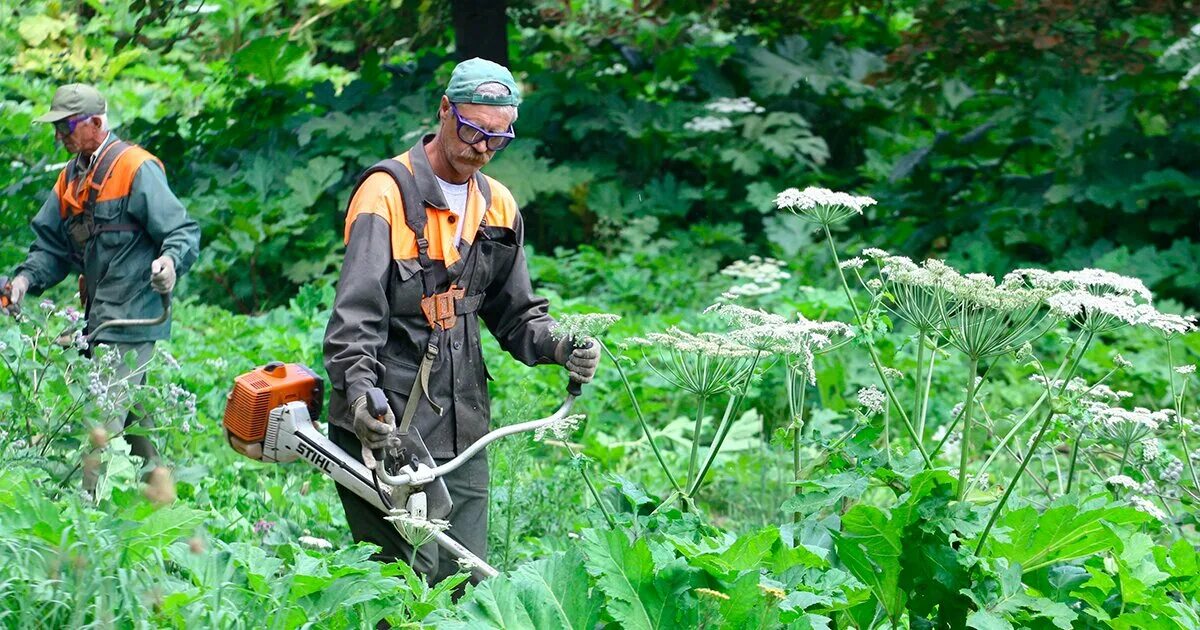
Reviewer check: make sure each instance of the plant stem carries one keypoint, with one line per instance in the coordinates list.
(1037, 404)
(965, 446)
(912, 432)
(925, 390)
(637, 409)
(731, 409)
(798, 419)
(1177, 399)
(1074, 461)
(591, 487)
(917, 384)
(695, 456)
(1016, 477)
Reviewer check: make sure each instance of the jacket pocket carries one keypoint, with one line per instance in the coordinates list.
(497, 247)
(398, 376)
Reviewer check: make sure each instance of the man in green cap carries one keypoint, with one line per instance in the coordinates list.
(113, 219)
(432, 247)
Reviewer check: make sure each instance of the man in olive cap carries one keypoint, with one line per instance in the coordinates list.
(112, 218)
(432, 247)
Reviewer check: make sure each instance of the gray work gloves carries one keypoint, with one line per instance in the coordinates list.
(371, 431)
(16, 289)
(580, 359)
(162, 274)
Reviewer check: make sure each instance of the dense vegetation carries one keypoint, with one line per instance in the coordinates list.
(900, 445)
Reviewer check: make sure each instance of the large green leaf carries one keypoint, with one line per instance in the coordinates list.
(549, 594)
(1061, 533)
(638, 597)
(869, 545)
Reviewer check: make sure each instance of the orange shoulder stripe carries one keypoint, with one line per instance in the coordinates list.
(119, 179)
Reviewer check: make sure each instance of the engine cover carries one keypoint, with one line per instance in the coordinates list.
(256, 393)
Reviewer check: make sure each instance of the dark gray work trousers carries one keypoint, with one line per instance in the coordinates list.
(468, 488)
(139, 445)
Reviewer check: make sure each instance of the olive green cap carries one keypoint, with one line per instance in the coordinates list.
(472, 73)
(73, 100)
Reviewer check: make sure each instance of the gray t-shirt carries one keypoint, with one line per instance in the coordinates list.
(456, 198)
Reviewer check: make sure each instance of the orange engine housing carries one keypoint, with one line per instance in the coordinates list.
(255, 393)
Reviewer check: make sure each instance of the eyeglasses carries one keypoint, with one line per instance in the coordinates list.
(67, 127)
(471, 133)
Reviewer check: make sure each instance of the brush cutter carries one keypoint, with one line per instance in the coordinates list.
(271, 416)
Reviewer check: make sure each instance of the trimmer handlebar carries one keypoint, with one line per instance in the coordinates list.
(113, 323)
(425, 474)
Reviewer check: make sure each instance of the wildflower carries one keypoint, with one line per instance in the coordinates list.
(416, 530)
(875, 284)
(314, 542)
(1151, 449)
(46, 305)
(560, 428)
(1186, 369)
(872, 399)
(853, 263)
(1142, 505)
(170, 360)
(262, 526)
(821, 205)
(1172, 473)
(1122, 481)
(613, 70)
(582, 325)
(708, 592)
(1122, 362)
(703, 364)
(758, 269)
(766, 332)
(742, 105)
(750, 289)
(893, 374)
(466, 565)
(708, 124)
(875, 253)
(772, 591)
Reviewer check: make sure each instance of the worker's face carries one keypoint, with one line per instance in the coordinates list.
(465, 158)
(79, 134)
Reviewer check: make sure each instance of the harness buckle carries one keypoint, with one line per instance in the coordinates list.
(439, 308)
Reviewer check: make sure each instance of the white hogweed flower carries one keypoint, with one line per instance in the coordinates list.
(560, 428)
(821, 205)
(414, 530)
(742, 105)
(1143, 505)
(1122, 481)
(872, 399)
(1121, 362)
(708, 124)
(1186, 369)
(582, 325)
(314, 542)
(853, 263)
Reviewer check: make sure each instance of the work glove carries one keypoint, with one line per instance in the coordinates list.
(371, 431)
(580, 359)
(15, 290)
(162, 274)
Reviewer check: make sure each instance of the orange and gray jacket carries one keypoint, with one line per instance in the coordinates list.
(377, 334)
(135, 218)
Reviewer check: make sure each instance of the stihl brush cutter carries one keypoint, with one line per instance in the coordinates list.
(272, 414)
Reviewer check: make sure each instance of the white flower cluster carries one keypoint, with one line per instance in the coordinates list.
(774, 334)
(742, 105)
(414, 530)
(1101, 300)
(1123, 481)
(853, 263)
(763, 276)
(1186, 369)
(582, 325)
(1143, 505)
(708, 124)
(1151, 449)
(1095, 281)
(1116, 418)
(872, 399)
(813, 197)
(183, 398)
(705, 343)
(314, 542)
(560, 428)
(613, 70)
(1079, 388)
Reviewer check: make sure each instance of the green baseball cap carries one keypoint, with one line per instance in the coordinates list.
(72, 100)
(472, 73)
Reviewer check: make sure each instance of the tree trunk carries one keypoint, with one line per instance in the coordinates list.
(481, 29)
